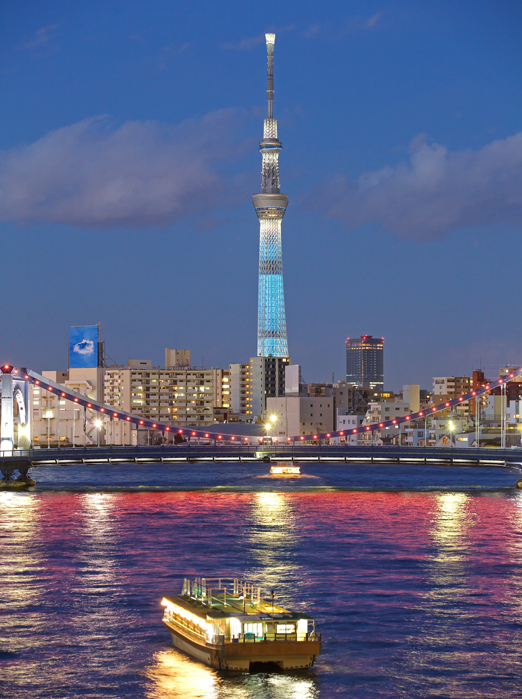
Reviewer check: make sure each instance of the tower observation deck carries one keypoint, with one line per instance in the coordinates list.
(270, 208)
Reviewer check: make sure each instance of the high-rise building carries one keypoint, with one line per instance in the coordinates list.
(240, 392)
(268, 381)
(365, 362)
(270, 208)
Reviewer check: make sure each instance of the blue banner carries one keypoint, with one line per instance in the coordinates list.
(83, 346)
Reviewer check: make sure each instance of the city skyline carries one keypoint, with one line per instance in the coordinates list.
(128, 159)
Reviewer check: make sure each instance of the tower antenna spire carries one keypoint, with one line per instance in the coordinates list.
(270, 41)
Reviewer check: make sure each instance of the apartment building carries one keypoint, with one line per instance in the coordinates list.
(178, 396)
(446, 388)
(290, 416)
(240, 376)
(58, 421)
(268, 381)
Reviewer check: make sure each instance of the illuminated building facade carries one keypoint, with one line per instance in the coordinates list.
(270, 206)
(268, 381)
(365, 362)
(240, 392)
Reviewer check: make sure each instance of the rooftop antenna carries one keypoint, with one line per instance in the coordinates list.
(270, 41)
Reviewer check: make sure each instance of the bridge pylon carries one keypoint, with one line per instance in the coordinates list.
(14, 388)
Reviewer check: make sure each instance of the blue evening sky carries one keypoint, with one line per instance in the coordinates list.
(128, 156)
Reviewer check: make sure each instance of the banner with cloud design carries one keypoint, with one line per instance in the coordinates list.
(83, 346)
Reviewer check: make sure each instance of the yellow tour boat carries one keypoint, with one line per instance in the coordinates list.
(226, 624)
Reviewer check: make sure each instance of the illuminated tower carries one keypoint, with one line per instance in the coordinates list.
(270, 208)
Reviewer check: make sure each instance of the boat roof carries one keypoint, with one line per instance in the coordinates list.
(240, 609)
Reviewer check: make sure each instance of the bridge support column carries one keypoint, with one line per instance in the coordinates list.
(23, 469)
(7, 425)
(7, 468)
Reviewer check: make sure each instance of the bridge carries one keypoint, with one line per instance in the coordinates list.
(22, 459)
(201, 444)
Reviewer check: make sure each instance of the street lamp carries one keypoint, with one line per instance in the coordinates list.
(270, 424)
(98, 424)
(451, 426)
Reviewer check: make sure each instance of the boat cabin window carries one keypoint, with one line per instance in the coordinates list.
(256, 629)
(285, 628)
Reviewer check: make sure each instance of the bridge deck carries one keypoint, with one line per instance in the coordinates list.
(239, 453)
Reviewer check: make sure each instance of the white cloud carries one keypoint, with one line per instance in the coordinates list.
(140, 173)
(435, 192)
(253, 41)
(84, 347)
(43, 37)
(245, 44)
(372, 21)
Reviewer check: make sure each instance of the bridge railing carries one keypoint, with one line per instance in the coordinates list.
(185, 449)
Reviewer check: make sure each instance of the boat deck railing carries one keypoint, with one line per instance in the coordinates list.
(267, 637)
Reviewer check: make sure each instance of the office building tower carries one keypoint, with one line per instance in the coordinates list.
(365, 362)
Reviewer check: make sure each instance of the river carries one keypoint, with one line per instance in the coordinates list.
(414, 576)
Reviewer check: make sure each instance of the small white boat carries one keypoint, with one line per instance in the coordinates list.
(283, 469)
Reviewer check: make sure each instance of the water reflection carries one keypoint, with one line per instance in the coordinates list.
(21, 562)
(273, 535)
(450, 523)
(174, 675)
(447, 570)
(100, 536)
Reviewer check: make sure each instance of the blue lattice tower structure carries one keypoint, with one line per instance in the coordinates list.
(270, 208)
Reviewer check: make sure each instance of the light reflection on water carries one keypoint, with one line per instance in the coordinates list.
(20, 572)
(273, 538)
(416, 595)
(174, 675)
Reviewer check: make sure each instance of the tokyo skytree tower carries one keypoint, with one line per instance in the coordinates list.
(270, 208)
